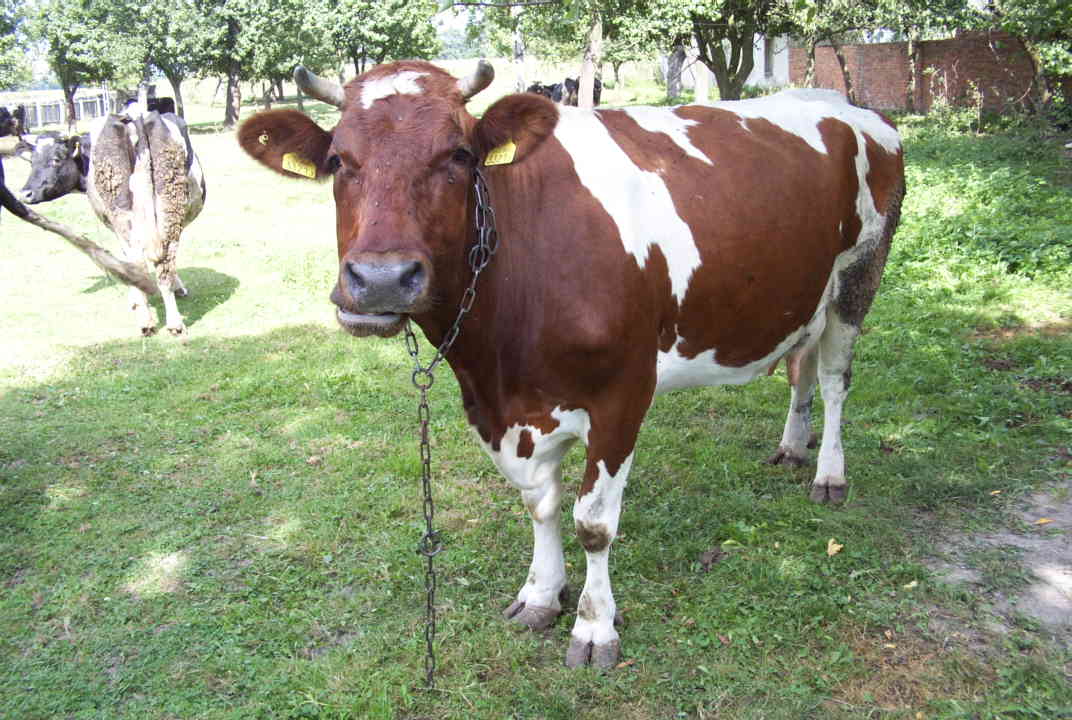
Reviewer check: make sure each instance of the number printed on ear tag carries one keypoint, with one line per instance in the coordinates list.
(502, 155)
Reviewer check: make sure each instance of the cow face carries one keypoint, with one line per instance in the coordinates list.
(401, 162)
(57, 167)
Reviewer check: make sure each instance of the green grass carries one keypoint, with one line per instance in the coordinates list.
(225, 527)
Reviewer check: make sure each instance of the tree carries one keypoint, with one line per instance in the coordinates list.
(14, 70)
(82, 49)
(173, 33)
(717, 24)
(1045, 29)
(369, 32)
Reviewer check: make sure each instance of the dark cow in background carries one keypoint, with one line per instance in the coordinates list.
(12, 125)
(143, 181)
(565, 92)
(641, 250)
(155, 104)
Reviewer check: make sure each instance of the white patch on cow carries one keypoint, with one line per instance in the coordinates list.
(800, 111)
(44, 142)
(538, 477)
(659, 120)
(638, 201)
(599, 511)
(175, 132)
(403, 83)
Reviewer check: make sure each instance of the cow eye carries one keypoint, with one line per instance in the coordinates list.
(462, 156)
(334, 163)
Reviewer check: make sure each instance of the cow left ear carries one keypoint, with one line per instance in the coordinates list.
(288, 142)
(513, 128)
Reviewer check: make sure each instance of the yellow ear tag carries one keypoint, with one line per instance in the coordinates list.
(299, 165)
(502, 155)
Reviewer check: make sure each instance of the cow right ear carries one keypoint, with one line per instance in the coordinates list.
(288, 142)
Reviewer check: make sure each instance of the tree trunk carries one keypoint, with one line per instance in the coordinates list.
(279, 89)
(519, 50)
(68, 99)
(674, 65)
(730, 73)
(809, 63)
(913, 71)
(840, 55)
(301, 101)
(234, 99)
(593, 56)
(266, 97)
(176, 86)
(1041, 88)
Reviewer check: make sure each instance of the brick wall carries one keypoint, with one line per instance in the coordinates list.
(994, 65)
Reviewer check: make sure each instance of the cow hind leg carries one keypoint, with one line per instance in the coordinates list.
(835, 375)
(170, 286)
(797, 435)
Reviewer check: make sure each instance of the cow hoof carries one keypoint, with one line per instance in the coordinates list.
(530, 616)
(583, 653)
(181, 292)
(148, 331)
(785, 457)
(829, 494)
(177, 331)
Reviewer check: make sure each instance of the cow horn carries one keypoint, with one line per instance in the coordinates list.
(319, 88)
(480, 79)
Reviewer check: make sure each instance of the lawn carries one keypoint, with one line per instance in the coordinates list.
(224, 526)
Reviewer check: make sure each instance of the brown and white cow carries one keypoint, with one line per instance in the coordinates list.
(642, 250)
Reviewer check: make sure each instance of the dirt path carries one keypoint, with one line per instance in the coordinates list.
(1025, 571)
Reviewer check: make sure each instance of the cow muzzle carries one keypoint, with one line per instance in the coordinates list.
(375, 296)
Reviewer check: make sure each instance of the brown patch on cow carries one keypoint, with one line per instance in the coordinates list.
(268, 136)
(885, 173)
(594, 537)
(749, 294)
(525, 119)
(525, 446)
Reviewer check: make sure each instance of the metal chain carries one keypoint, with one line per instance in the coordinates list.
(431, 544)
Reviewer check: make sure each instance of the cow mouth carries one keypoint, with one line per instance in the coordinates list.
(365, 324)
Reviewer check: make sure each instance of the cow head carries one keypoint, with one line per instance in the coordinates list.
(401, 159)
(58, 166)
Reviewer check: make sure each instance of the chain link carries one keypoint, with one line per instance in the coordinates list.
(423, 377)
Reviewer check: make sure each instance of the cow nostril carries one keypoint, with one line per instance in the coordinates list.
(357, 278)
(412, 276)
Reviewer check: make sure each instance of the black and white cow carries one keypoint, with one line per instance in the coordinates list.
(144, 182)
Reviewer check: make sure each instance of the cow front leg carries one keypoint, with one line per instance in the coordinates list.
(537, 473)
(594, 640)
(835, 375)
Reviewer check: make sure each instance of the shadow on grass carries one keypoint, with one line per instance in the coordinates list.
(208, 290)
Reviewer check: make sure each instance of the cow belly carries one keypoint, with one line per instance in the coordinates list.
(675, 371)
